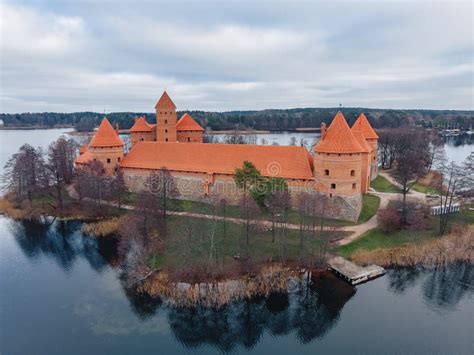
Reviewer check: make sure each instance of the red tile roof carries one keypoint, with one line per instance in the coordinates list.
(366, 148)
(364, 126)
(339, 138)
(165, 102)
(84, 157)
(106, 136)
(187, 123)
(141, 125)
(287, 162)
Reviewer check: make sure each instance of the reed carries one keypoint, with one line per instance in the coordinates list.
(271, 278)
(9, 209)
(102, 228)
(458, 246)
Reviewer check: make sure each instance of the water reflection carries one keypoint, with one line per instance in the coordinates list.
(306, 316)
(309, 313)
(62, 241)
(442, 288)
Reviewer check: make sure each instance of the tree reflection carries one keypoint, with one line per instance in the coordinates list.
(62, 241)
(310, 313)
(442, 287)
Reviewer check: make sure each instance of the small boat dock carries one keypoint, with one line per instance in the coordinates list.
(353, 273)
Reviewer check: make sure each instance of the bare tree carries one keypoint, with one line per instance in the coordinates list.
(293, 140)
(277, 199)
(414, 158)
(25, 173)
(61, 155)
(450, 183)
(94, 184)
(163, 186)
(248, 212)
(118, 188)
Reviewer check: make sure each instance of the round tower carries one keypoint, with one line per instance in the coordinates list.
(338, 160)
(106, 147)
(363, 125)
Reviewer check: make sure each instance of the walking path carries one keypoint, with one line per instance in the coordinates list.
(355, 230)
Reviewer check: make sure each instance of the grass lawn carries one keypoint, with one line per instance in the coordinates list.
(189, 243)
(425, 189)
(370, 205)
(381, 184)
(377, 238)
(231, 211)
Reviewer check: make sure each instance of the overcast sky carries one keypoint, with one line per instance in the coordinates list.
(67, 56)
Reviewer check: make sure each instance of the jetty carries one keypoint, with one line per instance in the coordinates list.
(353, 273)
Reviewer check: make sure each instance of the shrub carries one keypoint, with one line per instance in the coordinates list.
(418, 217)
(389, 219)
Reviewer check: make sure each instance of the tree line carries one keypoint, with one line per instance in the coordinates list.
(272, 120)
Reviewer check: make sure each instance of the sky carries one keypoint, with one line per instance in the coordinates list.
(109, 56)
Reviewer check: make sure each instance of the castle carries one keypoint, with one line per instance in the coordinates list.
(343, 164)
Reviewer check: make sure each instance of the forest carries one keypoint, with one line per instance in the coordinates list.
(270, 120)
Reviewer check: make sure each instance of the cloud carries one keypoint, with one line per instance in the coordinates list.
(220, 56)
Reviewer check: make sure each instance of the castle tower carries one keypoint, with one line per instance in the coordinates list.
(165, 119)
(106, 147)
(338, 161)
(142, 131)
(362, 124)
(189, 130)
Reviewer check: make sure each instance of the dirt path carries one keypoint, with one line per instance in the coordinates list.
(355, 230)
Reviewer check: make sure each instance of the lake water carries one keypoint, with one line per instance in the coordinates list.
(61, 293)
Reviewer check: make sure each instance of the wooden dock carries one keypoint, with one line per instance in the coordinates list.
(353, 273)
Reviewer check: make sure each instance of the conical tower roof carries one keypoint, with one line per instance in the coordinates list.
(362, 124)
(339, 138)
(187, 123)
(165, 102)
(141, 125)
(106, 136)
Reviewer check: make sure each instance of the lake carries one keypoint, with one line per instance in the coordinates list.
(61, 293)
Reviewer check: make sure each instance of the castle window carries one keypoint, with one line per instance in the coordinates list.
(166, 131)
(166, 139)
(189, 139)
(339, 154)
(354, 185)
(142, 139)
(353, 172)
(118, 159)
(326, 172)
(330, 195)
(166, 121)
(333, 186)
(108, 160)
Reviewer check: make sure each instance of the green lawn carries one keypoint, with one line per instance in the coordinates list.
(381, 184)
(425, 189)
(189, 240)
(231, 211)
(370, 205)
(377, 238)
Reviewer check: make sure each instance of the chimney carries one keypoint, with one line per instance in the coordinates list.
(323, 130)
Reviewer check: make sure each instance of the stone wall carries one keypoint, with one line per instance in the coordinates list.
(190, 136)
(196, 186)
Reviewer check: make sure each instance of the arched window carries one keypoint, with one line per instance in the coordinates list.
(353, 172)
